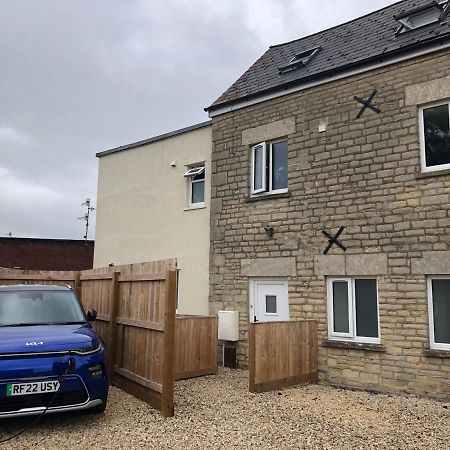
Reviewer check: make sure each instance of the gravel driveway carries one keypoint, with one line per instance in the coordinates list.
(219, 412)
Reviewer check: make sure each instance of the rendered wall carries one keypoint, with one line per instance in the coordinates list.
(143, 215)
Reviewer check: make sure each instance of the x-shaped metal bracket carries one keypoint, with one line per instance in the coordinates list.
(333, 240)
(367, 104)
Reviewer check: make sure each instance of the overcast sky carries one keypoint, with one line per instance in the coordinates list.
(78, 77)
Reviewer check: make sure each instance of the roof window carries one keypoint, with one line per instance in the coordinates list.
(299, 60)
(419, 17)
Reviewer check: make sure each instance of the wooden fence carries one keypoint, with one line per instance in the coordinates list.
(136, 316)
(195, 346)
(282, 354)
(147, 347)
(16, 276)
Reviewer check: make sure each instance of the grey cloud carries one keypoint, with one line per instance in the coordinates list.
(80, 76)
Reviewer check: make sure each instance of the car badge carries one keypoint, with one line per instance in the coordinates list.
(34, 343)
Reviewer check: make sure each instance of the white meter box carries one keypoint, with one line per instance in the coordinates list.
(228, 325)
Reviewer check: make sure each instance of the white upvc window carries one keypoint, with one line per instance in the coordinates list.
(434, 122)
(439, 312)
(269, 168)
(196, 186)
(353, 310)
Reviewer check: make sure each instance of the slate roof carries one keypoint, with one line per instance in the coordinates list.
(353, 44)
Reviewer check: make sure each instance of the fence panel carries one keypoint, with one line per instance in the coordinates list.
(136, 318)
(195, 346)
(282, 354)
(97, 288)
(17, 276)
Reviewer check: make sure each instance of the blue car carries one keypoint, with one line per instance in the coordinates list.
(51, 359)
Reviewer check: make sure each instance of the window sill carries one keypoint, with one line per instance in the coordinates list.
(436, 173)
(257, 198)
(354, 345)
(436, 353)
(194, 207)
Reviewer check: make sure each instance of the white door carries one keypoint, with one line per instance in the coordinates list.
(269, 300)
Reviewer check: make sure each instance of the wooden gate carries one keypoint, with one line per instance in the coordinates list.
(282, 354)
(195, 346)
(136, 316)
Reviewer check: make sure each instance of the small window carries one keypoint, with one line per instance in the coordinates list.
(196, 183)
(271, 304)
(435, 137)
(439, 312)
(270, 168)
(419, 17)
(353, 309)
(299, 60)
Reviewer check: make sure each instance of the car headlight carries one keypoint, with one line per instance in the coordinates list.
(87, 350)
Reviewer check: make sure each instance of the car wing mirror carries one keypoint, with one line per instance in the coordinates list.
(91, 314)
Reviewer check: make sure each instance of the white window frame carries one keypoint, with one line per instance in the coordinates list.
(267, 185)
(433, 344)
(423, 161)
(263, 145)
(351, 335)
(193, 171)
(196, 169)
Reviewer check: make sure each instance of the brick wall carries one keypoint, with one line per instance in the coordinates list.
(46, 254)
(362, 174)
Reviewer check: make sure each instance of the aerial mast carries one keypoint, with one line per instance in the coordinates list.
(86, 216)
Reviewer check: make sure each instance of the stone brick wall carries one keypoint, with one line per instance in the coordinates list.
(362, 174)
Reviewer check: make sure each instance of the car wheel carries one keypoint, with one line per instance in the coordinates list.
(98, 409)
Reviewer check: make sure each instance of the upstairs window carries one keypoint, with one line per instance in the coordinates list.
(270, 168)
(299, 60)
(196, 185)
(419, 17)
(353, 310)
(435, 137)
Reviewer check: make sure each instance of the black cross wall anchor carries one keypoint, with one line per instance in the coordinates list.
(333, 240)
(367, 104)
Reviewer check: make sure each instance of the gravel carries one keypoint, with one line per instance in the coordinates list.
(219, 412)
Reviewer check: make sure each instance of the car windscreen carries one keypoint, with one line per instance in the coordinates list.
(39, 308)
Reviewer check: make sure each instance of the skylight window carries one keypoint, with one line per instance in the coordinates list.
(299, 60)
(419, 17)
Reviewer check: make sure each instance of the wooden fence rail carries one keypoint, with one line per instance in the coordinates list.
(282, 354)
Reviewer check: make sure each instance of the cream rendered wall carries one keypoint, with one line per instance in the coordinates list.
(143, 215)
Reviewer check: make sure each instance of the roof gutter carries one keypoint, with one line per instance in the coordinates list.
(325, 77)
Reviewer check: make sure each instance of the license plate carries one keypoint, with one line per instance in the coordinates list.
(31, 388)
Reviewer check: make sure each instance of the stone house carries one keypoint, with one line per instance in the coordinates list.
(344, 131)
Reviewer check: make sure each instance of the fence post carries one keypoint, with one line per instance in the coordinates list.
(251, 356)
(77, 283)
(112, 332)
(169, 344)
